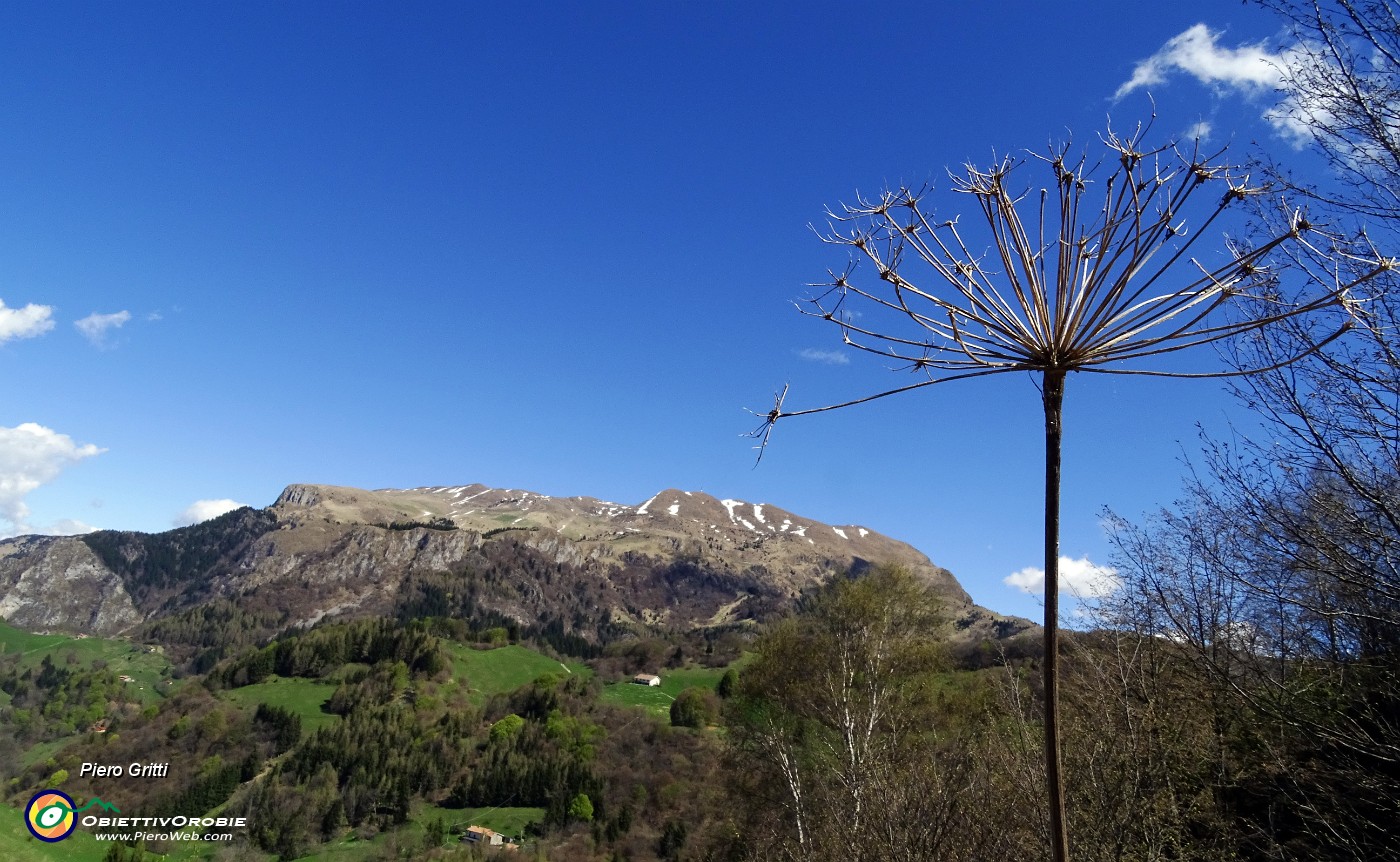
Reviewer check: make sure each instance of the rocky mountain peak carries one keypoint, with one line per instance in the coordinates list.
(677, 559)
(735, 534)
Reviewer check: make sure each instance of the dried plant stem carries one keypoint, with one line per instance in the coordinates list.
(1054, 397)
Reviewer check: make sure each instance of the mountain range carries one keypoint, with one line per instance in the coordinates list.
(577, 567)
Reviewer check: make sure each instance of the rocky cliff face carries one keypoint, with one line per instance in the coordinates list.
(585, 566)
(50, 582)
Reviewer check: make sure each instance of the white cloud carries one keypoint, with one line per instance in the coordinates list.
(1079, 578)
(1251, 71)
(1250, 68)
(30, 456)
(95, 326)
(1198, 131)
(67, 527)
(203, 510)
(830, 357)
(24, 322)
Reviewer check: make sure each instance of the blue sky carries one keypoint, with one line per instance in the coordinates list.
(549, 246)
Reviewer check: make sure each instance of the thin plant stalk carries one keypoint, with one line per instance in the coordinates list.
(1054, 398)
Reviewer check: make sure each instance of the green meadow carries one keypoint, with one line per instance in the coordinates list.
(301, 696)
(147, 666)
(495, 671)
(657, 699)
(507, 821)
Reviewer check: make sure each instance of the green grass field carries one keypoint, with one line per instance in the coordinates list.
(302, 696)
(482, 672)
(507, 821)
(45, 750)
(657, 699)
(148, 670)
(18, 640)
(495, 671)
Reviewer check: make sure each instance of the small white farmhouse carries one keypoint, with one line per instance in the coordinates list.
(647, 679)
(482, 835)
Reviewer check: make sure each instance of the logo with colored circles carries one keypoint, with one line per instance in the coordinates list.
(50, 816)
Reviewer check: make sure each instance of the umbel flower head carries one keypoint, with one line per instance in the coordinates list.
(1094, 272)
(1088, 273)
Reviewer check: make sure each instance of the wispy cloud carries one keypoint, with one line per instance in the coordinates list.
(24, 322)
(829, 357)
(95, 326)
(1198, 131)
(1251, 71)
(1079, 578)
(68, 527)
(30, 456)
(1251, 68)
(203, 510)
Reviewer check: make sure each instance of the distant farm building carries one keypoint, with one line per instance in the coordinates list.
(482, 835)
(647, 679)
